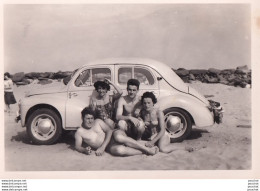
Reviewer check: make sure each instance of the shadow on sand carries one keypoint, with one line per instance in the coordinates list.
(196, 133)
(66, 137)
(21, 137)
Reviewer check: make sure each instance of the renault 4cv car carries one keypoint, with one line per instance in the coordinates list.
(48, 111)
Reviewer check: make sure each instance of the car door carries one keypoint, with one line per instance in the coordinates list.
(144, 74)
(81, 89)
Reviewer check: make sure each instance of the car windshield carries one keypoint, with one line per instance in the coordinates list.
(68, 78)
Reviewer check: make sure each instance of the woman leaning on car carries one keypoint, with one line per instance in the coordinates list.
(103, 103)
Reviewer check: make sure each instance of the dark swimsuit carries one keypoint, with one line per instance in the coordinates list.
(104, 111)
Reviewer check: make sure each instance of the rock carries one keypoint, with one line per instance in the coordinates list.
(21, 83)
(224, 82)
(242, 70)
(32, 75)
(244, 76)
(197, 72)
(211, 79)
(40, 78)
(45, 75)
(214, 71)
(220, 77)
(243, 84)
(26, 81)
(248, 86)
(192, 77)
(186, 79)
(231, 78)
(43, 82)
(228, 71)
(30, 80)
(231, 84)
(182, 72)
(60, 75)
(18, 77)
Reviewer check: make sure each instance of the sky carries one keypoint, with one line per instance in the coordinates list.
(51, 38)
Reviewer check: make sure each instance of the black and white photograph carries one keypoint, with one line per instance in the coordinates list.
(127, 87)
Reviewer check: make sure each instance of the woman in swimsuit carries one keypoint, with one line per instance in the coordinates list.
(155, 132)
(103, 103)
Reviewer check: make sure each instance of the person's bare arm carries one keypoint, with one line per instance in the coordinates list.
(162, 129)
(108, 134)
(92, 104)
(119, 111)
(78, 144)
(118, 93)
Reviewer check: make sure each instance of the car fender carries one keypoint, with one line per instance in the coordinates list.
(197, 109)
(54, 101)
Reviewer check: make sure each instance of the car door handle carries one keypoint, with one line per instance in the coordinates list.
(72, 94)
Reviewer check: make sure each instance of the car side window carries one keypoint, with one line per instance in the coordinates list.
(143, 75)
(83, 79)
(124, 74)
(99, 74)
(90, 76)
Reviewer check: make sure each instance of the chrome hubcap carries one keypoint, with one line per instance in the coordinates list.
(43, 127)
(176, 124)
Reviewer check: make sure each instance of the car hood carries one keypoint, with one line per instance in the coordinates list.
(57, 87)
(198, 95)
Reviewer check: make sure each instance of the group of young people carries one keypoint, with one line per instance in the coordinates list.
(138, 126)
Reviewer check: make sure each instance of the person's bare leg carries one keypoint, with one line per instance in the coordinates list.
(122, 138)
(121, 150)
(166, 147)
(110, 123)
(8, 109)
(140, 130)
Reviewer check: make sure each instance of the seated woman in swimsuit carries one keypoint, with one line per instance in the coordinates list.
(155, 132)
(103, 103)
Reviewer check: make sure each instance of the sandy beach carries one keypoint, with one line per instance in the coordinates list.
(225, 146)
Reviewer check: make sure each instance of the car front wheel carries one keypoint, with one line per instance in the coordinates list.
(178, 124)
(44, 127)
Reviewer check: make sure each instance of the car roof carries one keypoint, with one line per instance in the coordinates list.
(137, 61)
(163, 69)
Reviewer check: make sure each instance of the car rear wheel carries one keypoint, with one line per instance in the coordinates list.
(178, 124)
(44, 127)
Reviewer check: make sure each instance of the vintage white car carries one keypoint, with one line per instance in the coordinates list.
(48, 111)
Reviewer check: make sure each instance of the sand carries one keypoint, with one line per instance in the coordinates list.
(226, 146)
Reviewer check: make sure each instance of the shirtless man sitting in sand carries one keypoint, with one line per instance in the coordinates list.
(94, 132)
(130, 129)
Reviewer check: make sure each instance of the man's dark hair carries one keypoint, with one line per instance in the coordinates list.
(7, 74)
(149, 95)
(101, 84)
(88, 111)
(133, 82)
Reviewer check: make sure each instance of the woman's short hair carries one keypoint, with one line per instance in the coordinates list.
(7, 74)
(133, 82)
(88, 111)
(149, 95)
(101, 84)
